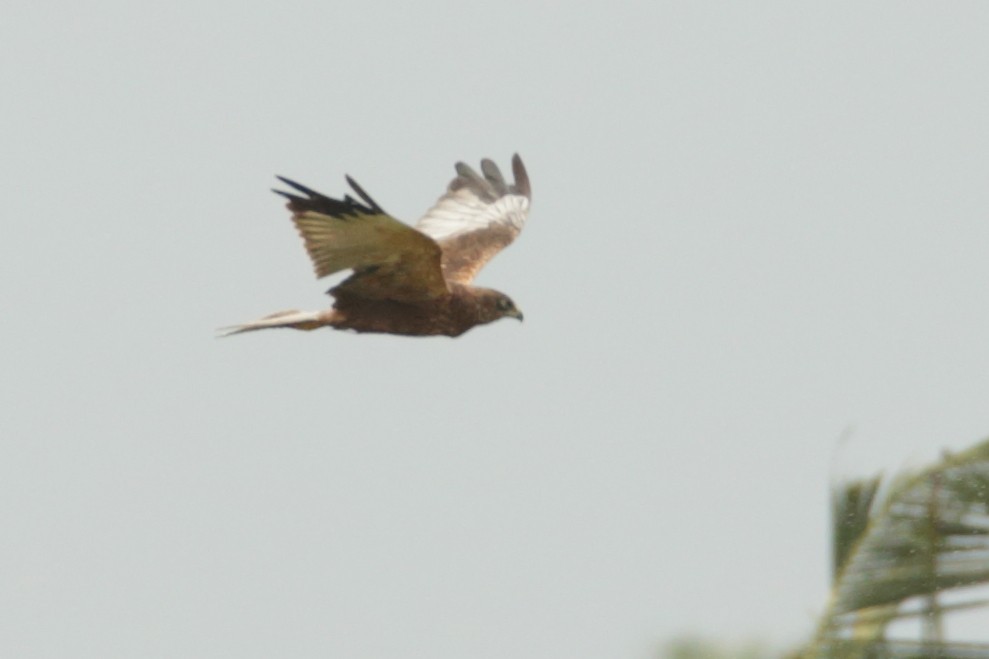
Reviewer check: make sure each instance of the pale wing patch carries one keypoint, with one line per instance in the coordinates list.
(462, 211)
(477, 217)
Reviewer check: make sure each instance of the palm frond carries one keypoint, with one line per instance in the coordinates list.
(895, 553)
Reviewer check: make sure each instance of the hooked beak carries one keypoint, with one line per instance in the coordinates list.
(515, 313)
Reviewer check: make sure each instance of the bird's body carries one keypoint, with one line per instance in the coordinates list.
(408, 281)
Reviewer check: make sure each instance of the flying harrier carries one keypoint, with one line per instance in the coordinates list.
(411, 281)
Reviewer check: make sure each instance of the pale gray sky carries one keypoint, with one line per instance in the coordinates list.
(754, 225)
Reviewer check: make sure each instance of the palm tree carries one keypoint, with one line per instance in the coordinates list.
(898, 547)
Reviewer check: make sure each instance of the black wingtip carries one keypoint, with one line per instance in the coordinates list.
(309, 192)
(295, 202)
(320, 203)
(372, 204)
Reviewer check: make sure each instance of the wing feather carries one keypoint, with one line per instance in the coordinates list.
(390, 259)
(479, 215)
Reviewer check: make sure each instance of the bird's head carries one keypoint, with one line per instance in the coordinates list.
(494, 305)
(507, 308)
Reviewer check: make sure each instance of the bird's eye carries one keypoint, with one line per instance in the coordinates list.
(504, 305)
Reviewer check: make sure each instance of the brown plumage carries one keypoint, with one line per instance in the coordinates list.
(411, 281)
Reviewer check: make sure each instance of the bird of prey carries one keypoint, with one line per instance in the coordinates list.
(405, 280)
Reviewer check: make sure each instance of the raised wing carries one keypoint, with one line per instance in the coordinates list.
(477, 217)
(390, 260)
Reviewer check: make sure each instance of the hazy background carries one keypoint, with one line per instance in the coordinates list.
(754, 226)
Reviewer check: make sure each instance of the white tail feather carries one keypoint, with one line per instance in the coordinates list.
(295, 319)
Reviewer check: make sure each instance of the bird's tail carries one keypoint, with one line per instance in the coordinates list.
(301, 320)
